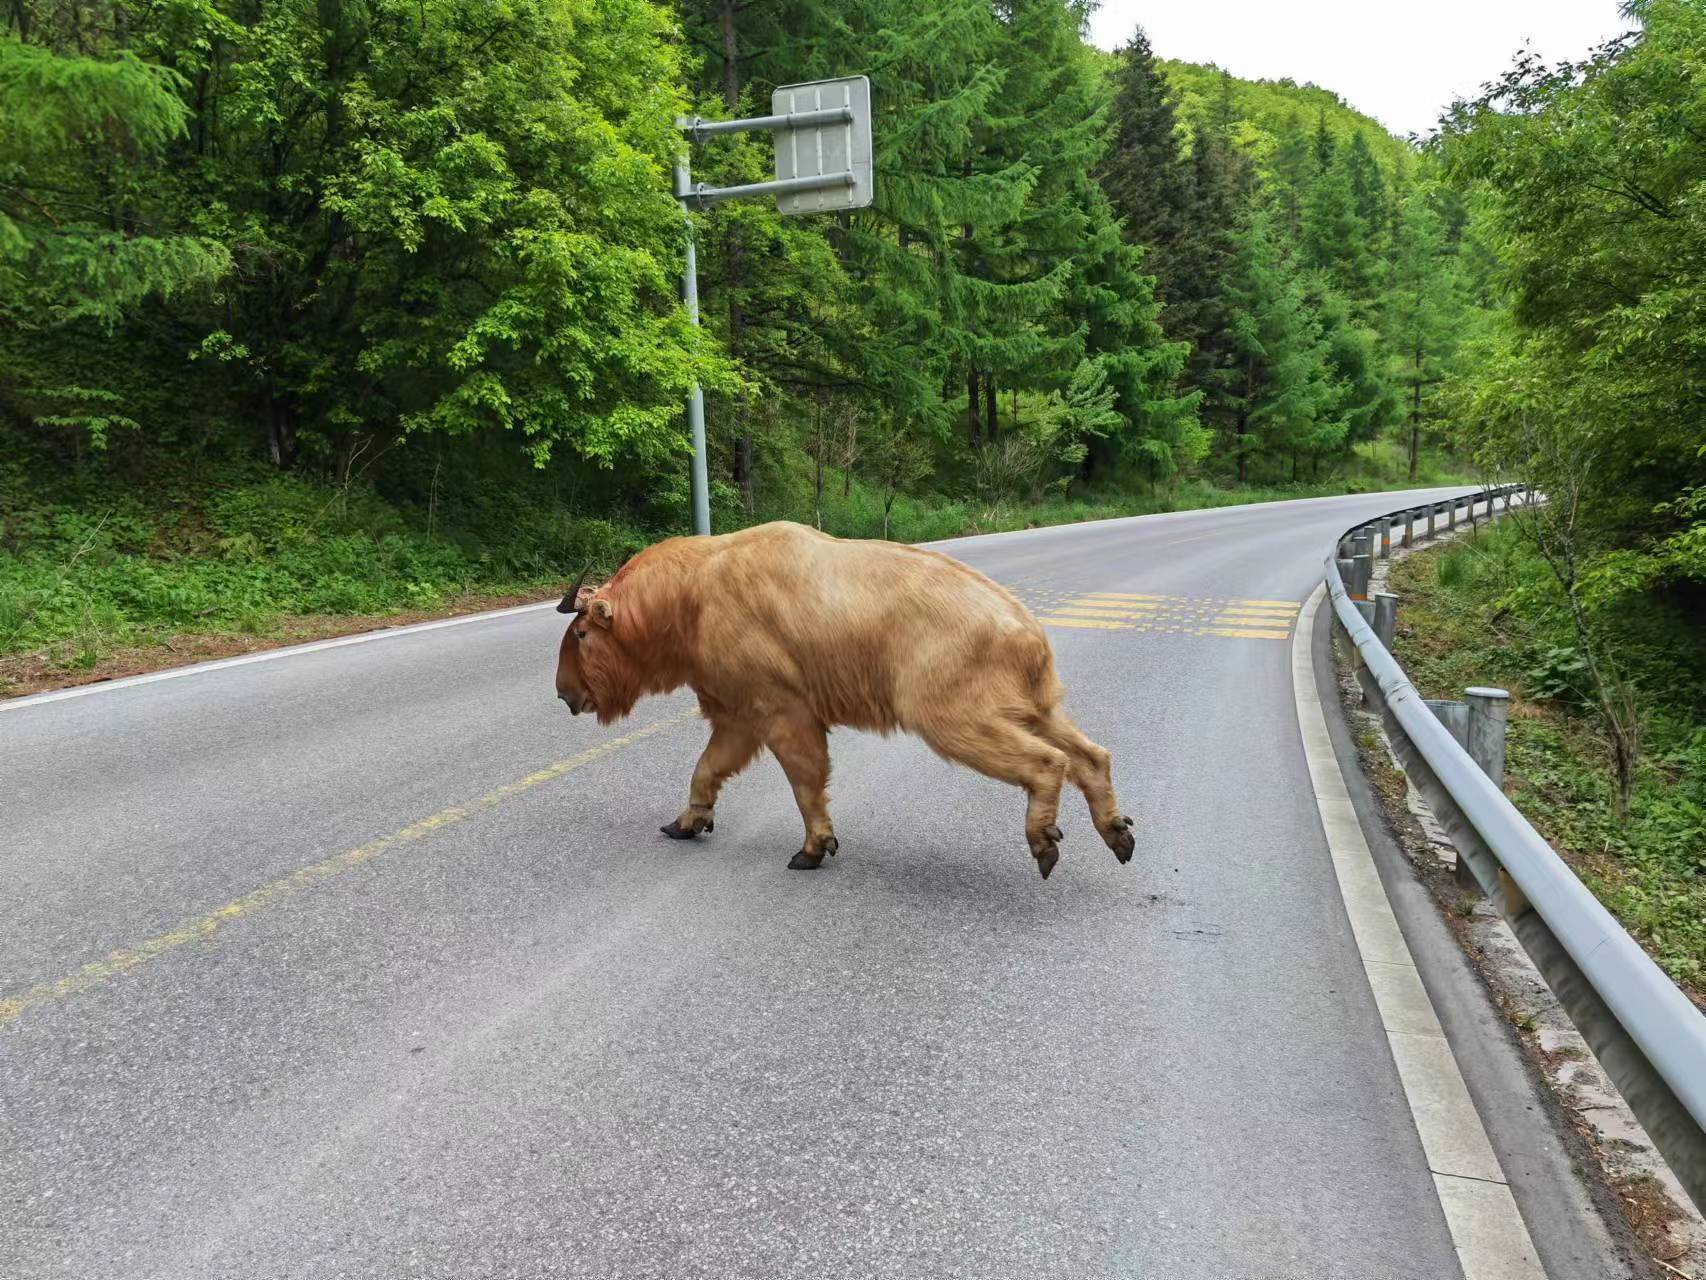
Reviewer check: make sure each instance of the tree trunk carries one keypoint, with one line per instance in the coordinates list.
(1416, 416)
(817, 487)
(973, 412)
(989, 403)
(743, 471)
(1243, 422)
(281, 429)
(731, 102)
(731, 58)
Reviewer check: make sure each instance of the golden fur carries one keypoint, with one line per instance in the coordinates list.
(783, 632)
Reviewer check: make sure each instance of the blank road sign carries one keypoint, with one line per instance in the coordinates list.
(821, 150)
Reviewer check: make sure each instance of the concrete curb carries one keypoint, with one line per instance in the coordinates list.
(1487, 1230)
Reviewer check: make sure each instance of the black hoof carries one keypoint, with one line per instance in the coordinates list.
(803, 861)
(675, 831)
(1046, 861)
(1121, 841)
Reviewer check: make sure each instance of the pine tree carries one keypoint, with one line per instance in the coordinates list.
(1336, 240)
(1144, 173)
(1281, 387)
(79, 242)
(1425, 313)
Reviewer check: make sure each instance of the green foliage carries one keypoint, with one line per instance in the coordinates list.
(1486, 611)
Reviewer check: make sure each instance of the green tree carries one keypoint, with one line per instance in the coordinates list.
(1281, 387)
(1426, 312)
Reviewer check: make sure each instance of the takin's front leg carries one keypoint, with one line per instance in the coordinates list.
(731, 749)
(800, 744)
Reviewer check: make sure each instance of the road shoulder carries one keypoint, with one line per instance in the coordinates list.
(1512, 1118)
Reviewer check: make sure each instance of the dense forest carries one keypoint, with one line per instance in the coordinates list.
(346, 305)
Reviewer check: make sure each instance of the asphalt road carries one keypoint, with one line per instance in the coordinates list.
(367, 962)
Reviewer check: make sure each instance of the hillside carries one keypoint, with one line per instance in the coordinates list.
(1278, 108)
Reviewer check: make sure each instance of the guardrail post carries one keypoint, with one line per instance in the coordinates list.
(1362, 558)
(1433, 512)
(1453, 715)
(1385, 618)
(1489, 711)
(1384, 528)
(1451, 513)
(1409, 528)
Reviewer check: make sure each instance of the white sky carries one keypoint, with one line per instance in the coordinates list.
(1400, 61)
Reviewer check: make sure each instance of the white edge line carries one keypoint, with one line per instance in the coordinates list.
(386, 633)
(1487, 1230)
(267, 655)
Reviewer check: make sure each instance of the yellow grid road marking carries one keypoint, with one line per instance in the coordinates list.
(1095, 623)
(1248, 634)
(1083, 611)
(97, 972)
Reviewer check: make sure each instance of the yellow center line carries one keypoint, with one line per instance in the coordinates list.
(97, 972)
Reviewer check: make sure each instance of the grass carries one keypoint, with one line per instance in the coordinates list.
(103, 573)
(1484, 612)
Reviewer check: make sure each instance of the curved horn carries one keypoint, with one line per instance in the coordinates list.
(567, 603)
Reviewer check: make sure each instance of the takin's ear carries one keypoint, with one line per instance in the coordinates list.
(601, 611)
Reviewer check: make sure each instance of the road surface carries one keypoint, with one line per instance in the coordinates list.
(371, 961)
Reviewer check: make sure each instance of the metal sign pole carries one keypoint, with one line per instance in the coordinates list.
(696, 401)
(823, 164)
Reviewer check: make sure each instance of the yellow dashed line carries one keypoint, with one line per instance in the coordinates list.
(1247, 634)
(97, 972)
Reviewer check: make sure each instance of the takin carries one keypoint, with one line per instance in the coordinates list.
(784, 632)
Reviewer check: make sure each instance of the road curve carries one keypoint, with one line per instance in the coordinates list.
(370, 961)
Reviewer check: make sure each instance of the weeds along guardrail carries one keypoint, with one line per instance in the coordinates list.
(1648, 1036)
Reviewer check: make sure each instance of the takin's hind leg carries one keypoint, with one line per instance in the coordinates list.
(731, 749)
(1090, 768)
(1001, 749)
(800, 744)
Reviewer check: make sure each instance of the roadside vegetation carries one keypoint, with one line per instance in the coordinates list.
(102, 570)
(1582, 376)
(1486, 611)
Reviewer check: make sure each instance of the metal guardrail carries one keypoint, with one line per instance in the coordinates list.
(1648, 1036)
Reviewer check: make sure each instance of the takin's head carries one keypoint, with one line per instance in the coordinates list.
(587, 648)
(605, 662)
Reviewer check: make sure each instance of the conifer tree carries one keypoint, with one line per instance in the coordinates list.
(1280, 387)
